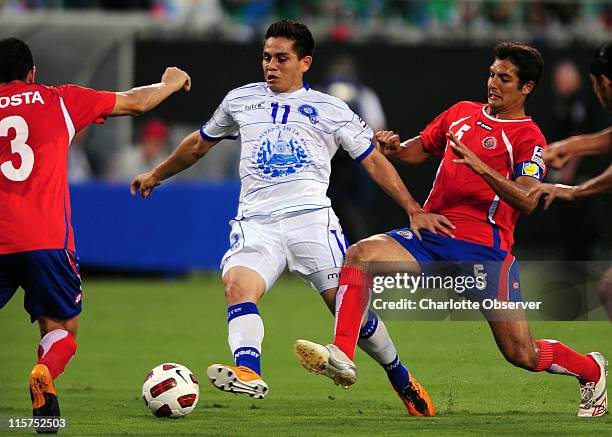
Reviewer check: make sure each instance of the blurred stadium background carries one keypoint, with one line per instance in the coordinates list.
(398, 63)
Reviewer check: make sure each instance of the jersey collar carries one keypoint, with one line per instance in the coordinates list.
(490, 117)
(294, 94)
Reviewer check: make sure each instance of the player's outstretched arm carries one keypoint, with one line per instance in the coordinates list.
(514, 193)
(385, 175)
(142, 99)
(596, 185)
(410, 151)
(557, 154)
(189, 151)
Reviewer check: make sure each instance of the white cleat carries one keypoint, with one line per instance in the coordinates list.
(594, 396)
(237, 380)
(327, 360)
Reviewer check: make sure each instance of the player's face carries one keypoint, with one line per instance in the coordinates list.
(603, 89)
(503, 87)
(283, 70)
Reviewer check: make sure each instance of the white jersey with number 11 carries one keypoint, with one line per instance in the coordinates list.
(288, 141)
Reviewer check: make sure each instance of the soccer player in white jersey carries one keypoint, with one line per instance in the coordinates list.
(289, 134)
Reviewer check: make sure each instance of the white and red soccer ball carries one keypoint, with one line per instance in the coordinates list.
(171, 390)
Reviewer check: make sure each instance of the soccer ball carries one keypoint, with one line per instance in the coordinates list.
(171, 390)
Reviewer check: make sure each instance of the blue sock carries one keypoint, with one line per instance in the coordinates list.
(246, 332)
(397, 374)
(248, 357)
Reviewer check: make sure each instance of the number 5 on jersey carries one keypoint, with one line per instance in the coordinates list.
(19, 146)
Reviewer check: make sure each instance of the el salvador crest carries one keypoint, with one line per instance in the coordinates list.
(310, 112)
(280, 152)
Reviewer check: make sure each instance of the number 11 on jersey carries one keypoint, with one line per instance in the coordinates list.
(285, 114)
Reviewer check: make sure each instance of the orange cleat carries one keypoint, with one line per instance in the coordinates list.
(416, 399)
(44, 397)
(237, 380)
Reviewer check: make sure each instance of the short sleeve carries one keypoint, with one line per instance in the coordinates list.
(354, 135)
(434, 135)
(527, 155)
(221, 125)
(86, 106)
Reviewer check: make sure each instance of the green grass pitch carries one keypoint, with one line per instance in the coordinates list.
(130, 326)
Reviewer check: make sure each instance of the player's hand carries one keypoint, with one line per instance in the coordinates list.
(466, 156)
(550, 192)
(144, 184)
(176, 78)
(436, 223)
(388, 143)
(557, 154)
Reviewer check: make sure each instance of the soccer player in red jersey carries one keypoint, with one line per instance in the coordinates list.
(491, 156)
(37, 252)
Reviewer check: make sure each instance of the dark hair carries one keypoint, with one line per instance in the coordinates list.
(15, 60)
(528, 60)
(602, 61)
(303, 42)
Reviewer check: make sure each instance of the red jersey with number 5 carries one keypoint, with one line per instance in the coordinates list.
(513, 148)
(37, 124)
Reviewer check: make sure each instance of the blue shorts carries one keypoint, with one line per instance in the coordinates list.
(50, 279)
(436, 253)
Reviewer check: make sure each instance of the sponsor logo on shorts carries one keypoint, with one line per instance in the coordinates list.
(489, 143)
(333, 275)
(515, 285)
(406, 234)
(78, 298)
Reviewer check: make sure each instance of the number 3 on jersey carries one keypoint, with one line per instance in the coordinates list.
(285, 114)
(19, 146)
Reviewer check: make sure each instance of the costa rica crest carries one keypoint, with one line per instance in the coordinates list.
(489, 143)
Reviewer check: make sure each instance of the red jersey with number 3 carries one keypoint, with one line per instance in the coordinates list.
(513, 148)
(37, 124)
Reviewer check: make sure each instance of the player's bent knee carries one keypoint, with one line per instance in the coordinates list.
(361, 252)
(234, 293)
(242, 285)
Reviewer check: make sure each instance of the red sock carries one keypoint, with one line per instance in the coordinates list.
(56, 349)
(557, 358)
(351, 303)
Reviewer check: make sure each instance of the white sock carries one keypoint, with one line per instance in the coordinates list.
(374, 339)
(245, 335)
